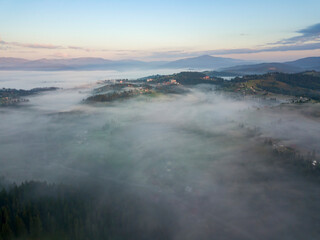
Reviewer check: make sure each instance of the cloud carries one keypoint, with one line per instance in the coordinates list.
(42, 46)
(285, 48)
(30, 45)
(46, 46)
(281, 48)
(309, 34)
(312, 30)
(309, 39)
(59, 47)
(79, 48)
(60, 55)
(172, 54)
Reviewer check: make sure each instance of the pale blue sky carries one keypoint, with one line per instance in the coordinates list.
(152, 29)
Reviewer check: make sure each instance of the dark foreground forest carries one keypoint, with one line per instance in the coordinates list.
(37, 210)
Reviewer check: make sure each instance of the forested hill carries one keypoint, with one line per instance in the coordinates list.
(184, 78)
(306, 84)
(37, 210)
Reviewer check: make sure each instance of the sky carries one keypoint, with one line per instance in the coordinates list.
(148, 30)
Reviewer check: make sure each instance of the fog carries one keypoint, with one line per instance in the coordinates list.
(200, 155)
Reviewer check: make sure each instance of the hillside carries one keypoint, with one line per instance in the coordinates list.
(300, 65)
(204, 62)
(263, 68)
(303, 85)
(311, 63)
(184, 78)
(10, 97)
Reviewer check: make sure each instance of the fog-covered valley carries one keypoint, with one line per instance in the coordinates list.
(201, 157)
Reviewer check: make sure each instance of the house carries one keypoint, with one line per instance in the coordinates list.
(173, 81)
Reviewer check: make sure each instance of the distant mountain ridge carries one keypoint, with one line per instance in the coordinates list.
(300, 65)
(65, 64)
(310, 63)
(202, 62)
(205, 62)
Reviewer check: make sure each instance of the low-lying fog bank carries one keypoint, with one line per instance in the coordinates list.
(200, 155)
